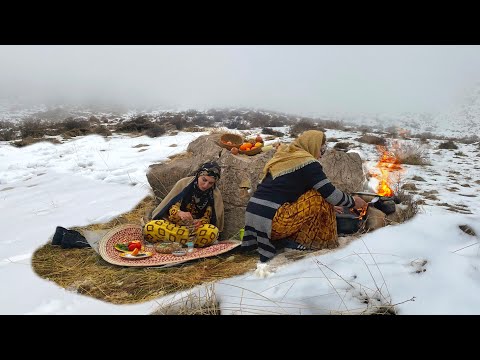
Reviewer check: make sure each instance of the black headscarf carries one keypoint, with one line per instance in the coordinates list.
(199, 199)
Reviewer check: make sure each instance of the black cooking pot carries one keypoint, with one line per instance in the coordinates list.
(387, 206)
(348, 223)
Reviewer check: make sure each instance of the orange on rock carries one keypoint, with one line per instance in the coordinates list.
(234, 150)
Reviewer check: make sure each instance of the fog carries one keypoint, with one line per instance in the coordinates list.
(295, 79)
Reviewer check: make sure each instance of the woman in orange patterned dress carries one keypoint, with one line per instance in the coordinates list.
(295, 204)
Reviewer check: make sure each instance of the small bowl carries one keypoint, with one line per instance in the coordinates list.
(179, 252)
(167, 247)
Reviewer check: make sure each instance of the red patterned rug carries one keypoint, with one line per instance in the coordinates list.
(129, 232)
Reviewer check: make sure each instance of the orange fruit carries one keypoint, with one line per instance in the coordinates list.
(234, 150)
(258, 144)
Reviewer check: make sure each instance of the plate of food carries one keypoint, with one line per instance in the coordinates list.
(139, 255)
(167, 247)
(129, 247)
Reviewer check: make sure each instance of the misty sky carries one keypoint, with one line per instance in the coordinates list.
(294, 79)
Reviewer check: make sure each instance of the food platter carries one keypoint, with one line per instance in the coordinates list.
(122, 248)
(142, 255)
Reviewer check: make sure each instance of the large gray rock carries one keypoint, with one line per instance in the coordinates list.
(240, 177)
(162, 177)
(344, 170)
(375, 219)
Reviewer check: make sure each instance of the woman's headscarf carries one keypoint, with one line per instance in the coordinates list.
(301, 152)
(210, 168)
(201, 199)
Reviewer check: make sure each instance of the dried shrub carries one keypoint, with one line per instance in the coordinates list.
(448, 145)
(194, 129)
(34, 128)
(277, 121)
(8, 131)
(342, 146)
(72, 124)
(302, 125)
(412, 154)
(469, 139)
(371, 139)
(8, 134)
(155, 131)
(29, 141)
(238, 124)
(202, 120)
(269, 131)
(102, 130)
(364, 129)
(409, 207)
(331, 124)
(93, 120)
(179, 121)
(139, 124)
(257, 119)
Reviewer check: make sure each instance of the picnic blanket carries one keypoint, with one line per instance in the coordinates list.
(130, 232)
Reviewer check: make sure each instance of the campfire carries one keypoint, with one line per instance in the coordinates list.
(387, 164)
(383, 198)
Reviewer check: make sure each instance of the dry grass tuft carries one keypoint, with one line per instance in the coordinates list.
(412, 154)
(30, 140)
(371, 139)
(192, 304)
(85, 272)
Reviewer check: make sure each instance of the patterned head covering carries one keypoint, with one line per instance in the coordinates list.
(299, 153)
(196, 200)
(210, 168)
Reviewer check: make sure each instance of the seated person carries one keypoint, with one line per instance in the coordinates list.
(192, 210)
(295, 204)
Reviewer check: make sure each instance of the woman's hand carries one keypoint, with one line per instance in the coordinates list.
(185, 216)
(359, 202)
(339, 209)
(197, 223)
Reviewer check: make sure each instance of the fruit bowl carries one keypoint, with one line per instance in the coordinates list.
(252, 151)
(234, 139)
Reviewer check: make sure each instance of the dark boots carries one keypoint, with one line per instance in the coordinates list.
(69, 239)
(58, 236)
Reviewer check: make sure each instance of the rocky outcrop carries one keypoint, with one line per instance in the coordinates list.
(344, 170)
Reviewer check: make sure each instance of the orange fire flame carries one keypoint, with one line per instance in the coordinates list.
(360, 212)
(388, 163)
